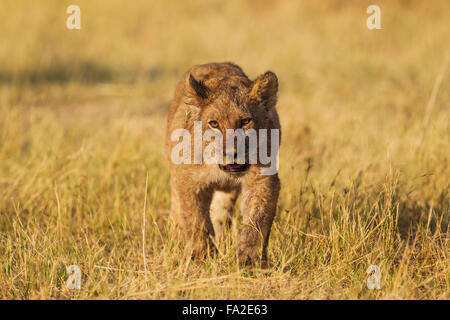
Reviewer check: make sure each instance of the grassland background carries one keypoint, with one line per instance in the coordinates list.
(364, 161)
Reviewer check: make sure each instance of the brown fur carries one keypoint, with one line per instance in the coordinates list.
(202, 195)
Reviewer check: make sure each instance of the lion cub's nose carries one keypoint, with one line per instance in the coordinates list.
(232, 157)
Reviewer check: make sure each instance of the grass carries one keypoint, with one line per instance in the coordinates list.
(364, 161)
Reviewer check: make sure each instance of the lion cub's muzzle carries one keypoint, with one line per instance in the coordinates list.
(234, 164)
(234, 168)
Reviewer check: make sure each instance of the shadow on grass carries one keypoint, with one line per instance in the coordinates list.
(413, 215)
(83, 72)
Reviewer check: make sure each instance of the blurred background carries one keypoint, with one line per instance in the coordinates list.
(150, 41)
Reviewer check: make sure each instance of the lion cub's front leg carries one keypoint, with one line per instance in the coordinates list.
(260, 195)
(190, 210)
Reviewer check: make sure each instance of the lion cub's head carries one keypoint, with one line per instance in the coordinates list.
(226, 103)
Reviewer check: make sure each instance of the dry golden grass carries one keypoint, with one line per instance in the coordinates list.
(364, 161)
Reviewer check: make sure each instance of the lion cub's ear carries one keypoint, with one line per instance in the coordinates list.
(265, 89)
(197, 90)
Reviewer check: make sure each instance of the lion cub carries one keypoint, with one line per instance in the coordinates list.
(219, 100)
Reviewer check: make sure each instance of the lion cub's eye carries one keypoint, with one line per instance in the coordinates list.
(245, 121)
(213, 124)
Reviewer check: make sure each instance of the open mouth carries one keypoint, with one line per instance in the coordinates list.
(234, 167)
